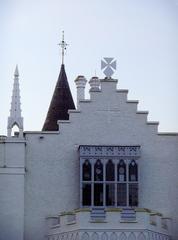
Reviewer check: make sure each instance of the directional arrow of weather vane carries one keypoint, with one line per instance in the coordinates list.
(108, 65)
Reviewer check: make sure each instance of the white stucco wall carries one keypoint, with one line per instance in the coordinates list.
(52, 179)
(52, 163)
(12, 156)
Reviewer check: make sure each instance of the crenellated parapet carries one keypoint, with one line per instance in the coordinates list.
(115, 224)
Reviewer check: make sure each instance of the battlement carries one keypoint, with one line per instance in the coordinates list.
(114, 221)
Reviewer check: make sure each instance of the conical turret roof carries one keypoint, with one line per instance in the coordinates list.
(61, 102)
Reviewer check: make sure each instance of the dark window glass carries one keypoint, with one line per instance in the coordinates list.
(86, 199)
(121, 171)
(133, 171)
(110, 195)
(86, 171)
(133, 194)
(98, 171)
(98, 194)
(109, 171)
(121, 194)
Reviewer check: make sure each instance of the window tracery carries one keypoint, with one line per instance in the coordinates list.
(133, 173)
(98, 171)
(109, 180)
(121, 171)
(110, 174)
(86, 171)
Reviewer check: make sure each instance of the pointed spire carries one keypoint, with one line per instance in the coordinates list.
(61, 102)
(62, 99)
(16, 73)
(15, 117)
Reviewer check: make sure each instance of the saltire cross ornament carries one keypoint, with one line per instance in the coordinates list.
(108, 65)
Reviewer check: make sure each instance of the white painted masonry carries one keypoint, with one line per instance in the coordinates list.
(51, 160)
(12, 172)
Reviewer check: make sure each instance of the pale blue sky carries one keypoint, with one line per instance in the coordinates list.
(141, 34)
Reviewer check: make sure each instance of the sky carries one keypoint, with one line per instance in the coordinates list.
(142, 35)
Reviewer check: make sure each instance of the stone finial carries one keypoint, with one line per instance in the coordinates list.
(15, 117)
(80, 82)
(94, 84)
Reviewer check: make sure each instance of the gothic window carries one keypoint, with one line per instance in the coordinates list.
(121, 194)
(108, 178)
(110, 187)
(110, 194)
(86, 171)
(98, 171)
(121, 171)
(110, 171)
(133, 194)
(133, 173)
(86, 200)
(98, 194)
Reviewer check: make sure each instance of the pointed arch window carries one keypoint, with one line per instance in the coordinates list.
(86, 194)
(86, 171)
(110, 173)
(121, 171)
(98, 171)
(109, 180)
(133, 171)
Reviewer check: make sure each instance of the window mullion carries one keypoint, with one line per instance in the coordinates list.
(81, 183)
(127, 181)
(115, 183)
(92, 182)
(104, 182)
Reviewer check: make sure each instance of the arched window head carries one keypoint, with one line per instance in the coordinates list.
(86, 171)
(15, 130)
(110, 176)
(98, 171)
(133, 171)
(121, 171)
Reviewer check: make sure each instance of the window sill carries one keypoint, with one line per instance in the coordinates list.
(55, 226)
(71, 223)
(98, 221)
(127, 221)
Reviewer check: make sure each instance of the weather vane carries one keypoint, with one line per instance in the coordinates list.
(109, 66)
(63, 45)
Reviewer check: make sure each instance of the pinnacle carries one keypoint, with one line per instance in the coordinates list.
(15, 117)
(16, 73)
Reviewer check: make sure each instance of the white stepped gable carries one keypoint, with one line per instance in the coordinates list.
(15, 117)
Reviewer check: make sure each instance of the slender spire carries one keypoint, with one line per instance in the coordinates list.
(62, 99)
(16, 73)
(63, 45)
(15, 117)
